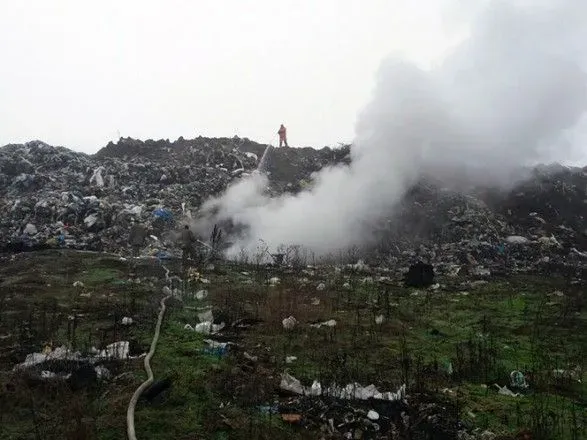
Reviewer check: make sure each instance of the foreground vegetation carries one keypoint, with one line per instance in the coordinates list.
(452, 345)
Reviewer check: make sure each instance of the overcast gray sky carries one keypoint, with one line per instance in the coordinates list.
(77, 73)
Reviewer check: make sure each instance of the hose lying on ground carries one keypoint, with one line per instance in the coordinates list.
(130, 413)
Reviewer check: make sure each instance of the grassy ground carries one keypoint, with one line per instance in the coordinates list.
(452, 343)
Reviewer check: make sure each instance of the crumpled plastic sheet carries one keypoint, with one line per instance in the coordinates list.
(115, 351)
(353, 391)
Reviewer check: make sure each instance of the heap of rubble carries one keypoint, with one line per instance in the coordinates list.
(539, 225)
(51, 197)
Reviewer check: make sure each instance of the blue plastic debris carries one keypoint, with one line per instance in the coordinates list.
(266, 409)
(163, 214)
(161, 255)
(218, 351)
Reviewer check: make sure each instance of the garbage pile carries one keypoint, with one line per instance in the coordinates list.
(539, 225)
(337, 418)
(51, 197)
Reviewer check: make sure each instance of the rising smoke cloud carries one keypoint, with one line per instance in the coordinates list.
(507, 96)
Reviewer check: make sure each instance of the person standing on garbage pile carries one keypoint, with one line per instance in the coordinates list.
(137, 237)
(187, 239)
(282, 132)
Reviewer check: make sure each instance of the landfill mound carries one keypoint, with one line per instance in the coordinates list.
(52, 196)
(538, 225)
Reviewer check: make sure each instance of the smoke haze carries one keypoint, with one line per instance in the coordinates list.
(509, 95)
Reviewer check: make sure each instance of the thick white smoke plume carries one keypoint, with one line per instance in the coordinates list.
(506, 97)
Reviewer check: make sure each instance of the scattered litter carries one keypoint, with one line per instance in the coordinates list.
(349, 392)
(216, 351)
(78, 284)
(116, 350)
(208, 328)
(266, 409)
(291, 418)
(329, 323)
(379, 319)
(347, 286)
(373, 415)
(60, 353)
(289, 323)
(274, 281)
(206, 316)
(201, 294)
(574, 374)
(290, 383)
(290, 359)
(321, 286)
(360, 266)
(216, 348)
(315, 301)
(481, 271)
(250, 357)
(102, 372)
(30, 229)
(517, 380)
(517, 239)
(127, 320)
(505, 391)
